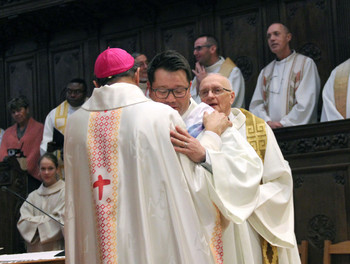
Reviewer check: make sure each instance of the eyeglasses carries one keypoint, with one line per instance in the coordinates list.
(70, 91)
(216, 91)
(164, 93)
(199, 48)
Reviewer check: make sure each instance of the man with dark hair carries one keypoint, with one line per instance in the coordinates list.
(25, 135)
(287, 89)
(236, 168)
(129, 197)
(206, 51)
(142, 62)
(76, 92)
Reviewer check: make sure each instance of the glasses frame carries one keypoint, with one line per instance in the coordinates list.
(223, 89)
(170, 91)
(200, 47)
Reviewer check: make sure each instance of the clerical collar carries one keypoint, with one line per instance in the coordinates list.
(292, 52)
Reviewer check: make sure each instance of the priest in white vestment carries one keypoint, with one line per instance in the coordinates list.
(76, 92)
(287, 89)
(273, 217)
(208, 61)
(130, 197)
(336, 94)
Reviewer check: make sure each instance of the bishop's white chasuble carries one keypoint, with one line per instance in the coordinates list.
(129, 197)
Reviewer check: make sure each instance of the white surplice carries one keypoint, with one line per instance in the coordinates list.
(273, 217)
(329, 110)
(306, 96)
(129, 197)
(236, 79)
(49, 127)
(40, 232)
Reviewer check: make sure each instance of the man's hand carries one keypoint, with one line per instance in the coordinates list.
(274, 124)
(186, 144)
(216, 122)
(200, 73)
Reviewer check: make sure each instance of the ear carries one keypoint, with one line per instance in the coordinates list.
(213, 49)
(289, 37)
(233, 96)
(137, 76)
(95, 84)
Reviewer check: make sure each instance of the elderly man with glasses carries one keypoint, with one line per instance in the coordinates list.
(206, 51)
(235, 166)
(267, 236)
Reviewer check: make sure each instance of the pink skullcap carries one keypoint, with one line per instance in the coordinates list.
(113, 61)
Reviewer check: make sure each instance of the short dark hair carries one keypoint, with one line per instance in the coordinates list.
(81, 81)
(114, 78)
(17, 103)
(171, 61)
(211, 40)
(49, 156)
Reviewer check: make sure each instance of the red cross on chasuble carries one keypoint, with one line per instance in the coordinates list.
(100, 183)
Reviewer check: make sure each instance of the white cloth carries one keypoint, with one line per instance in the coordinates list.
(306, 96)
(235, 77)
(273, 217)
(329, 110)
(40, 232)
(235, 166)
(159, 206)
(49, 126)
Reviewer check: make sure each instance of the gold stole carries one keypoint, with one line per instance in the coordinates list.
(294, 79)
(225, 70)
(61, 116)
(341, 87)
(256, 136)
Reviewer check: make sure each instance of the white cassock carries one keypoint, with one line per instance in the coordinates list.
(129, 197)
(329, 110)
(40, 232)
(273, 217)
(304, 110)
(235, 77)
(49, 127)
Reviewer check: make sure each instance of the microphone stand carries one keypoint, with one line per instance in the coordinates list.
(4, 188)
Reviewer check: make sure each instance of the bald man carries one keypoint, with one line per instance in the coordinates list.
(276, 188)
(287, 89)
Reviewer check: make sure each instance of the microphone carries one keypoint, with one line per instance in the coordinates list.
(4, 188)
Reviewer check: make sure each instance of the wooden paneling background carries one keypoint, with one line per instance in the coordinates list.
(50, 43)
(45, 43)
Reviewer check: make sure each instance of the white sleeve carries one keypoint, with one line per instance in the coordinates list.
(236, 170)
(48, 131)
(329, 110)
(273, 217)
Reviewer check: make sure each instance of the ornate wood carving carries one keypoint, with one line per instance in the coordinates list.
(320, 228)
(311, 50)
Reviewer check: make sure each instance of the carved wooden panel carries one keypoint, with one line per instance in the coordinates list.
(310, 23)
(319, 155)
(129, 42)
(21, 79)
(239, 37)
(320, 207)
(341, 30)
(179, 37)
(66, 63)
